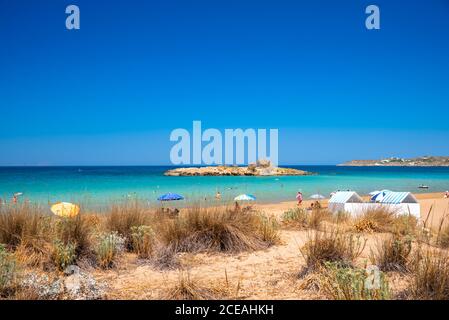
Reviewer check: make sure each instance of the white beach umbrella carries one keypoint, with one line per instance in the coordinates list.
(317, 196)
(373, 193)
(245, 197)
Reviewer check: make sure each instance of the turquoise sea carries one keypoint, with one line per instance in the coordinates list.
(97, 186)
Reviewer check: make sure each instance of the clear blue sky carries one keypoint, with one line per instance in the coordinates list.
(111, 92)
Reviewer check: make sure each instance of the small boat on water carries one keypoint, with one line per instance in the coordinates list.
(423, 187)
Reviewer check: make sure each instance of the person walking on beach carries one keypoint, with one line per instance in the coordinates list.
(446, 194)
(14, 199)
(299, 198)
(218, 195)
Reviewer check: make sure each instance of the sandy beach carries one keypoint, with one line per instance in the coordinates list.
(265, 274)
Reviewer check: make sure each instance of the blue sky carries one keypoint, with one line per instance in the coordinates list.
(111, 92)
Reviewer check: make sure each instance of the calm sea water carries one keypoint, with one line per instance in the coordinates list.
(100, 185)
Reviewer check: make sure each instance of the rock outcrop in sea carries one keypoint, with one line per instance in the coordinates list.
(260, 168)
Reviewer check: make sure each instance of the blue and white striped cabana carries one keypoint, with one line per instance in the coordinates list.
(345, 201)
(398, 198)
(401, 203)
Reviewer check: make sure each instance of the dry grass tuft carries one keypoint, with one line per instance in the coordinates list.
(219, 230)
(405, 225)
(443, 237)
(188, 289)
(317, 217)
(22, 224)
(430, 276)
(123, 218)
(393, 253)
(299, 217)
(375, 220)
(331, 246)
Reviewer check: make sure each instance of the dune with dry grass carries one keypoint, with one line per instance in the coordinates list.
(136, 252)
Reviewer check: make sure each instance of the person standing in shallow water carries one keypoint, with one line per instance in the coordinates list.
(299, 198)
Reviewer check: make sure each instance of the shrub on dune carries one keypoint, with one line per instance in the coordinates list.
(301, 218)
(393, 253)
(430, 275)
(74, 231)
(8, 272)
(317, 217)
(188, 289)
(22, 224)
(63, 254)
(107, 248)
(123, 218)
(217, 229)
(143, 241)
(379, 219)
(295, 216)
(331, 246)
(343, 283)
(405, 225)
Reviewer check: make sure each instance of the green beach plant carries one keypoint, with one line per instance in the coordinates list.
(8, 272)
(393, 253)
(108, 247)
(74, 231)
(123, 217)
(345, 283)
(297, 216)
(63, 254)
(269, 229)
(331, 246)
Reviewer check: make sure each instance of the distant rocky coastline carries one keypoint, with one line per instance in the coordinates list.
(426, 161)
(261, 168)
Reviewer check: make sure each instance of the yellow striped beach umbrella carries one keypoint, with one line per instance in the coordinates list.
(65, 209)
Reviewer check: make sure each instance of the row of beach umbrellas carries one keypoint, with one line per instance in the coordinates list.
(174, 197)
(67, 209)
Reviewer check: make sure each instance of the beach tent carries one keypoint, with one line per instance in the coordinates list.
(402, 203)
(345, 201)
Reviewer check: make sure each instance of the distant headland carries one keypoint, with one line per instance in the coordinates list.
(260, 168)
(426, 161)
